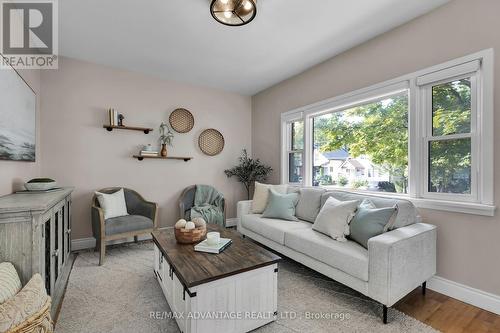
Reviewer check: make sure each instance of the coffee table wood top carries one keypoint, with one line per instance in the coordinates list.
(194, 268)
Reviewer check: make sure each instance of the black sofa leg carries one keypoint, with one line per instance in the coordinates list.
(384, 314)
(424, 288)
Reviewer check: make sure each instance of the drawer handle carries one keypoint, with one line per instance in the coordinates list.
(55, 253)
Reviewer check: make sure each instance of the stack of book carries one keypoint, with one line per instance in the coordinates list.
(113, 117)
(217, 248)
(149, 153)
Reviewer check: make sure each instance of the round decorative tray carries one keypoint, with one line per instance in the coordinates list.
(190, 236)
(211, 142)
(181, 120)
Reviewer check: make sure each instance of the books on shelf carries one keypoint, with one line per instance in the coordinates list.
(149, 153)
(113, 117)
(218, 248)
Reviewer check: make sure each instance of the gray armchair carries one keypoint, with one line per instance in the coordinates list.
(143, 219)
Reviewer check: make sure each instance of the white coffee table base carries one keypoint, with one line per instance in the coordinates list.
(238, 303)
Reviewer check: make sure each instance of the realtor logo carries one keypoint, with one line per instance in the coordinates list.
(29, 33)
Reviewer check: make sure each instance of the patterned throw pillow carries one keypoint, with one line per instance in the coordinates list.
(9, 281)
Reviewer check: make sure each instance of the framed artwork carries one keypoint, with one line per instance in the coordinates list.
(17, 117)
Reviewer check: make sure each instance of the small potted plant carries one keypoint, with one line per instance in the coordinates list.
(166, 137)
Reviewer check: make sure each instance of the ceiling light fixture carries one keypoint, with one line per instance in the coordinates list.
(233, 12)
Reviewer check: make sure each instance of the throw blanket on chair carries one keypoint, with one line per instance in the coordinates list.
(208, 204)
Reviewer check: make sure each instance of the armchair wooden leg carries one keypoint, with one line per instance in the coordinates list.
(136, 239)
(424, 288)
(102, 252)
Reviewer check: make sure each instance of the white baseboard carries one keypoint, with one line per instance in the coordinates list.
(466, 294)
(89, 243)
(232, 222)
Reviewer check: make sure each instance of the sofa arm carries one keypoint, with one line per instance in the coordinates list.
(243, 208)
(28, 308)
(400, 260)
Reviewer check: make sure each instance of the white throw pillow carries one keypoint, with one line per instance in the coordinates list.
(334, 218)
(113, 204)
(261, 195)
(9, 281)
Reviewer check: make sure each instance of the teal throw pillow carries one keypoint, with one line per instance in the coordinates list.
(368, 223)
(281, 206)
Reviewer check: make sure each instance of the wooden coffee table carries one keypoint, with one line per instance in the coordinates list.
(234, 291)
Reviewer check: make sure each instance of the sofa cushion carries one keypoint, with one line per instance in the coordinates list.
(309, 204)
(369, 223)
(349, 257)
(9, 281)
(334, 218)
(261, 195)
(120, 224)
(272, 229)
(281, 206)
(406, 211)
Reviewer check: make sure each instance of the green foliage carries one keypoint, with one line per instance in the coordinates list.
(359, 183)
(325, 180)
(386, 187)
(377, 130)
(248, 171)
(450, 165)
(166, 136)
(342, 181)
(380, 132)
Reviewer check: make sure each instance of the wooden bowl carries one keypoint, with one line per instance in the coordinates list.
(191, 236)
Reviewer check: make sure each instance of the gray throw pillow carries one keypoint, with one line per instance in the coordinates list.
(281, 206)
(309, 203)
(368, 223)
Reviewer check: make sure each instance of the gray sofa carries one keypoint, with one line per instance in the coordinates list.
(395, 263)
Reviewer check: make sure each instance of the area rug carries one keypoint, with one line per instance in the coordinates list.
(121, 295)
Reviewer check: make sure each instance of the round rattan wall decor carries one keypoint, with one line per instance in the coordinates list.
(211, 142)
(181, 120)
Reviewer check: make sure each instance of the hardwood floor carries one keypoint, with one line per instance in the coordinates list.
(447, 314)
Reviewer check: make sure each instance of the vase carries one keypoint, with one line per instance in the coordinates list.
(163, 151)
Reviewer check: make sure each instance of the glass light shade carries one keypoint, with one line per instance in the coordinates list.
(234, 12)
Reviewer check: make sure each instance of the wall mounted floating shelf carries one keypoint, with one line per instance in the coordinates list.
(130, 128)
(185, 159)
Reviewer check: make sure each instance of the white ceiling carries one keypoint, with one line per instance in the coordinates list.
(179, 40)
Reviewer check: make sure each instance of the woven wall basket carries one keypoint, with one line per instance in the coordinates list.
(211, 142)
(181, 120)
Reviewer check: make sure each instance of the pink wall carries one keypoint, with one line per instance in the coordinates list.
(78, 152)
(14, 174)
(468, 245)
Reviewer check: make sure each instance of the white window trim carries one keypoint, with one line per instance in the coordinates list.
(484, 200)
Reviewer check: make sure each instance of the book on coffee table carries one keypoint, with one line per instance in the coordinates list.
(217, 248)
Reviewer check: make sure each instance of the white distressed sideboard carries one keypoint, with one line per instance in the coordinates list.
(35, 236)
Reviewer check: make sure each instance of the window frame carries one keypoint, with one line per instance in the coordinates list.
(478, 65)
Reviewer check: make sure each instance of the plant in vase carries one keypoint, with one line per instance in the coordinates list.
(248, 171)
(166, 138)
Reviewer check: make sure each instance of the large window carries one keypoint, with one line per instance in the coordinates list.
(295, 152)
(449, 142)
(427, 136)
(363, 147)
